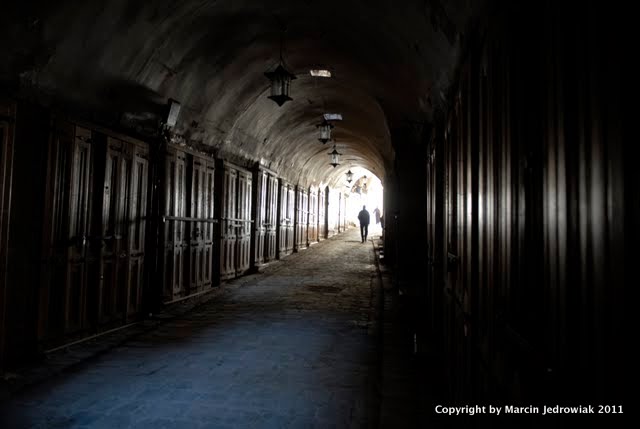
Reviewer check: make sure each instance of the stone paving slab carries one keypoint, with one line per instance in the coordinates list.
(293, 347)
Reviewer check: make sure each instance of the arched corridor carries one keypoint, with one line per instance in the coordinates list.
(154, 154)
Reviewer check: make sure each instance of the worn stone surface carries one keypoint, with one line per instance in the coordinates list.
(293, 347)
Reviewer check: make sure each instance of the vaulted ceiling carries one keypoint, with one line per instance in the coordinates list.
(391, 61)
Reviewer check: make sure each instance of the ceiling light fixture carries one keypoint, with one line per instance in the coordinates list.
(325, 131)
(320, 73)
(349, 176)
(280, 79)
(335, 157)
(332, 117)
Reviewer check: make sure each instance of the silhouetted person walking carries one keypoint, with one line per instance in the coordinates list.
(363, 217)
(376, 213)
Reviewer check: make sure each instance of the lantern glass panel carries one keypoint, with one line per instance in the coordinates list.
(280, 85)
(325, 132)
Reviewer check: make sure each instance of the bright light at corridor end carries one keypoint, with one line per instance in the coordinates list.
(372, 198)
(320, 73)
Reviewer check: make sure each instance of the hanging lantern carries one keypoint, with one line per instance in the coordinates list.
(280, 78)
(325, 131)
(280, 82)
(349, 176)
(335, 157)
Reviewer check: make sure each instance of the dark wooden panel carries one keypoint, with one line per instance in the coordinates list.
(95, 226)
(235, 220)
(71, 177)
(332, 211)
(208, 228)
(260, 192)
(437, 252)
(175, 238)
(285, 219)
(313, 216)
(56, 232)
(228, 230)
(243, 222)
(7, 121)
(122, 229)
(271, 217)
(114, 233)
(301, 218)
(322, 214)
(304, 235)
(136, 221)
(189, 231)
(527, 181)
(197, 201)
(291, 198)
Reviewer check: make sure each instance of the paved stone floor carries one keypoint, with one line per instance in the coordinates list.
(293, 347)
